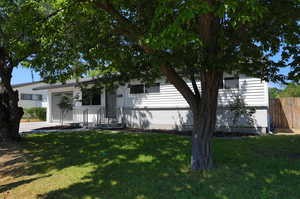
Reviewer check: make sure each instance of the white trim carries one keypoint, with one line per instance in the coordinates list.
(267, 93)
(49, 108)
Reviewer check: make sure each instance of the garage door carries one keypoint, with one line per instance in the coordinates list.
(56, 112)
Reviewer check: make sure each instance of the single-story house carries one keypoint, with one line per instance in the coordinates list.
(29, 98)
(160, 106)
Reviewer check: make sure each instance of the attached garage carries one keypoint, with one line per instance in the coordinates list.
(56, 112)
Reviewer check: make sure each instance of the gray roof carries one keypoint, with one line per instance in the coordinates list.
(61, 85)
(52, 86)
(26, 84)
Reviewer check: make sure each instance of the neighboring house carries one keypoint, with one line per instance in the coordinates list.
(29, 98)
(160, 106)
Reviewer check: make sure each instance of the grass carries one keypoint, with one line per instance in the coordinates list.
(106, 165)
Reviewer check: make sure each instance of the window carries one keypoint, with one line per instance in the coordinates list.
(34, 97)
(91, 96)
(141, 88)
(136, 89)
(231, 82)
(26, 96)
(153, 88)
(37, 97)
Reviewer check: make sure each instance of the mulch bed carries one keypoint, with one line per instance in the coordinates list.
(59, 127)
(159, 131)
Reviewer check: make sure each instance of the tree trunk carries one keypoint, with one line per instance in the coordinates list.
(204, 121)
(10, 116)
(201, 143)
(204, 107)
(10, 113)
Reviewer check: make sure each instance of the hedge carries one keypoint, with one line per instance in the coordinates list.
(35, 113)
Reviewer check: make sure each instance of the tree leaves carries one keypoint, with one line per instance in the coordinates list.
(249, 34)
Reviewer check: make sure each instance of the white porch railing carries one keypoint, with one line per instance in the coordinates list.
(96, 117)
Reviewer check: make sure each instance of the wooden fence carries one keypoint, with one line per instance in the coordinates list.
(285, 112)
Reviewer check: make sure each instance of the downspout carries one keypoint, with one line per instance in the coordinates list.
(269, 125)
(268, 106)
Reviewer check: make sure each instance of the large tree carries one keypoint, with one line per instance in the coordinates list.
(182, 40)
(19, 22)
(292, 89)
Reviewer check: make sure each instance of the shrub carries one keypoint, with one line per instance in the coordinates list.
(35, 113)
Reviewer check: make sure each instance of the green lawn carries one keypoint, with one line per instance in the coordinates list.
(106, 165)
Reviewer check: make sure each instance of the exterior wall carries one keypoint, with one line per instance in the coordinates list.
(253, 90)
(78, 108)
(181, 119)
(92, 110)
(95, 111)
(169, 110)
(28, 89)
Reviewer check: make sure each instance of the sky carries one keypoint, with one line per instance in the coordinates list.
(23, 75)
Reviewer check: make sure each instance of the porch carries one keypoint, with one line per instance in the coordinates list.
(100, 117)
(90, 108)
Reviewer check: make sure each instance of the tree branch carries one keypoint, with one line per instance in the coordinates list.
(3, 35)
(179, 83)
(195, 87)
(54, 13)
(133, 31)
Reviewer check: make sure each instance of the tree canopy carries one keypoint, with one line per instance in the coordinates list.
(109, 35)
(177, 39)
(290, 90)
(19, 22)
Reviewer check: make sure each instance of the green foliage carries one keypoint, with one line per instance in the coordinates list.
(183, 40)
(65, 104)
(241, 111)
(133, 39)
(274, 93)
(291, 90)
(35, 113)
(19, 23)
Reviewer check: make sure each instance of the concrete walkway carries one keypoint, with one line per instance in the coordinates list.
(287, 131)
(29, 126)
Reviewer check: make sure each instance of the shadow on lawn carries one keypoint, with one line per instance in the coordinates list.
(11, 160)
(123, 162)
(128, 165)
(7, 187)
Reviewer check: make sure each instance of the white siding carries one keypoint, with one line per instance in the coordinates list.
(251, 89)
(92, 110)
(169, 110)
(28, 89)
(181, 119)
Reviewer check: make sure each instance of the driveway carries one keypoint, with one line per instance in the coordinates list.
(29, 126)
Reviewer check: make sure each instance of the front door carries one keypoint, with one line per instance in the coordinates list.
(111, 103)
